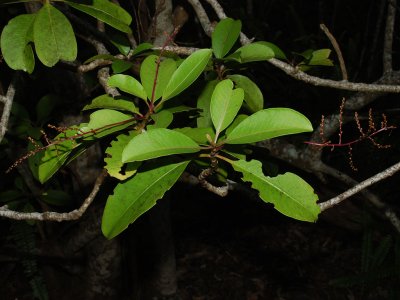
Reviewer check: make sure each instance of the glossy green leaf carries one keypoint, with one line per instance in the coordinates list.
(225, 104)
(104, 122)
(120, 66)
(199, 135)
(156, 143)
(120, 41)
(162, 119)
(203, 103)
(148, 72)
(188, 71)
(255, 52)
(107, 12)
(289, 193)
(106, 101)
(114, 162)
(14, 43)
(224, 36)
(53, 36)
(127, 84)
(267, 124)
(253, 96)
(137, 195)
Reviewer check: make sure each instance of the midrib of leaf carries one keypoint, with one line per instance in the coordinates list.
(52, 29)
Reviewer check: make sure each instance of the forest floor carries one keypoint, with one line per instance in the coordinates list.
(236, 249)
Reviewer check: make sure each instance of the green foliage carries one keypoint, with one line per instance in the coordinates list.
(290, 194)
(156, 143)
(137, 195)
(267, 124)
(187, 73)
(145, 156)
(225, 104)
(15, 39)
(106, 12)
(105, 101)
(53, 36)
(224, 36)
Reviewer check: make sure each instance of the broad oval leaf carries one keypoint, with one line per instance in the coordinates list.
(120, 66)
(289, 193)
(255, 52)
(104, 122)
(53, 36)
(224, 36)
(278, 53)
(199, 135)
(253, 96)
(187, 73)
(137, 195)
(267, 124)
(156, 143)
(14, 43)
(148, 72)
(203, 103)
(106, 101)
(162, 119)
(225, 104)
(107, 12)
(127, 84)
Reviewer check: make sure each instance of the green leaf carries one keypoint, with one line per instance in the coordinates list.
(100, 56)
(320, 58)
(289, 193)
(105, 101)
(203, 103)
(199, 135)
(225, 104)
(45, 107)
(255, 52)
(53, 36)
(142, 48)
(107, 12)
(104, 122)
(56, 198)
(114, 162)
(156, 143)
(267, 124)
(14, 43)
(10, 195)
(120, 65)
(134, 197)
(127, 84)
(56, 155)
(162, 119)
(188, 71)
(236, 122)
(278, 53)
(148, 72)
(253, 96)
(224, 36)
(120, 41)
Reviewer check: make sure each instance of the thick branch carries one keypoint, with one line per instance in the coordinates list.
(8, 101)
(55, 216)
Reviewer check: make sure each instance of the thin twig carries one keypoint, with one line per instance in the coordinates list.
(55, 216)
(335, 46)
